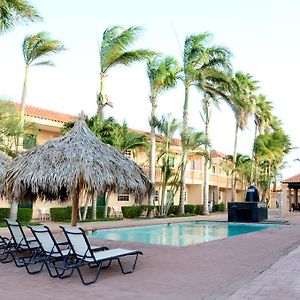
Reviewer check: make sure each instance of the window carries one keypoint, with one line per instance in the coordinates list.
(195, 164)
(213, 169)
(128, 153)
(172, 161)
(123, 197)
(156, 197)
(29, 141)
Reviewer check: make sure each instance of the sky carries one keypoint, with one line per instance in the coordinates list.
(263, 36)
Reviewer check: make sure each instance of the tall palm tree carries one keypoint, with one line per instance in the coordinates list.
(167, 126)
(162, 74)
(200, 61)
(36, 48)
(15, 11)
(270, 149)
(114, 51)
(214, 85)
(262, 119)
(242, 104)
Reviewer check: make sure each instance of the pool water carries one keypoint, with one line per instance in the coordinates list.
(179, 234)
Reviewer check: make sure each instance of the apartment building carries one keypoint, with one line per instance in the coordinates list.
(48, 125)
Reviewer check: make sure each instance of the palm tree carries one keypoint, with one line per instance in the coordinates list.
(36, 48)
(114, 51)
(270, 149)
(162, 74)
(15, 11)
(262, 120)
(201, 63)
(242, 104)
(167, 127)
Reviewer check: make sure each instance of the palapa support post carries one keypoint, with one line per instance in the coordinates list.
(75, 211)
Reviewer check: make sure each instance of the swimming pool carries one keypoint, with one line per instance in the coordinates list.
(179, 234)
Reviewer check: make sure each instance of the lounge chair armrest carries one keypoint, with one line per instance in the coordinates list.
(62, 243)
(98, 248)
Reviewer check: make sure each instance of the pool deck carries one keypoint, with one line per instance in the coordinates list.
(259, 265)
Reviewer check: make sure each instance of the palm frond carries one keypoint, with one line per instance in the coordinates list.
(16, 11)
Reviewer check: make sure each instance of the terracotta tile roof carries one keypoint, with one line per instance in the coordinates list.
(293, 179)
(42, 113)
(215, 153)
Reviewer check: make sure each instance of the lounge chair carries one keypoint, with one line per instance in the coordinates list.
(5, 245)
(85, 255)
(24, 248)
(56, 255)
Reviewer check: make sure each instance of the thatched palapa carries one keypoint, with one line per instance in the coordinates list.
(3, 163)
(63, 167)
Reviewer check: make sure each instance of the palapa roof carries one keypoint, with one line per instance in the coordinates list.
(64, 166)
(3, 162)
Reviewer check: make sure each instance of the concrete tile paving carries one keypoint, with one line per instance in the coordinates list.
(260, 265)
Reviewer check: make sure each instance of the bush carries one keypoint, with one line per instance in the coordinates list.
(189, 209)
(24, 214)
(61, 214)
(99, 212)
(4, 214)
(173, 210)
(219, 207)
(132, 212)
(198, 209)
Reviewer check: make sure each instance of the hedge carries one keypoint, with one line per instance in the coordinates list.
(24, 214)
(63, 214)
(4, 214)
(219, 207)
(132, 212)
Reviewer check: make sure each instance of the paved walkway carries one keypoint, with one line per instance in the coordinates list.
(260, 265)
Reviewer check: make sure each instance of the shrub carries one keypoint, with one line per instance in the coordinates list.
(198, 209)
(189, 209)
(219, 207)
(4, 214)
(24, 214)
(173, 210)
(132, 212)
(61, 214)
(99, 212)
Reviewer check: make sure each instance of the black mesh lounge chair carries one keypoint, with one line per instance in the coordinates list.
(85, 255)
(56, 255)
(5, 246)
(25, 248)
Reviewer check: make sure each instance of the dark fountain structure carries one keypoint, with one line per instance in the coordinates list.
(250, 211)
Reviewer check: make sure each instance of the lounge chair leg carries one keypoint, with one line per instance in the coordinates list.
(92, 281)
(133, 267)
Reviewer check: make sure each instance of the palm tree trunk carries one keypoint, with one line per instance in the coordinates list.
(253, 162)
(233, 175)
(86, 206)
(13, 210)
(22, 109)
(94, 208)
(206, 119)
(153, 147)
(107, 196)
(184, 152)
(101, 98)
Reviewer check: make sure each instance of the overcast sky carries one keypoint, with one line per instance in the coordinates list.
(263, 36)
